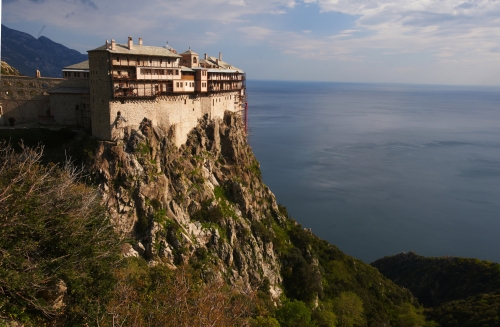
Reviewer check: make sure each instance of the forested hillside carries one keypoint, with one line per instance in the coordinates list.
(455, 291)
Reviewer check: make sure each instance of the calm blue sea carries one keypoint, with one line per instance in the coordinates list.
(378, 169)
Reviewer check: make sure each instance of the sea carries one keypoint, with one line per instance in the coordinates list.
(379, 169)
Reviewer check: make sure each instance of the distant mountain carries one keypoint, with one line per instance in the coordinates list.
(455, 291)
(28, 54)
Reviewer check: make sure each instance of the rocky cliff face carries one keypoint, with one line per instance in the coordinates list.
(204, 201)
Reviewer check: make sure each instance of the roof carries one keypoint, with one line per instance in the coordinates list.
(138, 50)
(221, 64)
(190, 52)
(186, 69)
(217, 70)
(79, 66)
(70, 90)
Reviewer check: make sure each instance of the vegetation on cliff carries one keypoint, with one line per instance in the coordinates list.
(57, 246)
(199, 228)
(7, 69)
(454, 291)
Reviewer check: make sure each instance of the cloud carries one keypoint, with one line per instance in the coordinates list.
(378, 32)
(89, 3)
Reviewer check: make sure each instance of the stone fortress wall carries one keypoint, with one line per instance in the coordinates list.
(27, 99)
(177, 114)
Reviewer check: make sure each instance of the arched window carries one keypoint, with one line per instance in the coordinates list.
(194, 60)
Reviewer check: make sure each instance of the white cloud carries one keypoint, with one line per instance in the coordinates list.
(447, 32)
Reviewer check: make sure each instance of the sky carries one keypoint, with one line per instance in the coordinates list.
(373, 41)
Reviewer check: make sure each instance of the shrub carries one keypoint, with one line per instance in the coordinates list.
(54, 231)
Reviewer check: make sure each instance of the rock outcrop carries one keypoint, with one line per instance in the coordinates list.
(202, 202)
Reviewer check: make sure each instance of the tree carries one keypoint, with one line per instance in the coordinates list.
(294, 314)
(58, 249)
(349, 309)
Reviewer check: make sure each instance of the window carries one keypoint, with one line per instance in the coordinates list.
(20, 92)
(19, 84)
(32, 85)
(176, 72)
(194, 60)
(45, 85)
(117, 58)
(150, 60)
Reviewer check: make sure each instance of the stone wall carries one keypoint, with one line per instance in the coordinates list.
(67, 108)
(177, 113)
(26, 99)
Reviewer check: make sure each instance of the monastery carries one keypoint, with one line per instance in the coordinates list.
(120, 85)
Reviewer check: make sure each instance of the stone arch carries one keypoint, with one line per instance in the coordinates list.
(19, 84)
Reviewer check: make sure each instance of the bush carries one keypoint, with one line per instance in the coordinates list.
(54, 232)
(294, 314)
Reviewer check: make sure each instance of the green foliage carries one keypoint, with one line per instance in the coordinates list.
(313, 268)
(255, 169)
(456, 291)
(478, 310)
(54, 231)
(294, 314)
(263, 230)
(324, 316)
(437, 280)
(264, 322)
(209, 214)
(349, 309)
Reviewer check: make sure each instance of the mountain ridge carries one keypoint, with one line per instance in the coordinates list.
(28, 54)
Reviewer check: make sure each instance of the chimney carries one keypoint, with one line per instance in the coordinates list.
(38, 75)
(107, 44)
(220, 56)
(130, 43)
(113, 44)
(140, 41)
(206, 57)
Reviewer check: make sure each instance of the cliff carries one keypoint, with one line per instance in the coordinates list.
(205, 195)
(202, 234)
